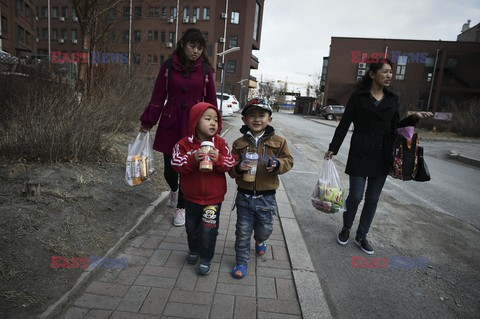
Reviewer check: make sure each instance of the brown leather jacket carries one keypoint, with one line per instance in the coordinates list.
(269, 146)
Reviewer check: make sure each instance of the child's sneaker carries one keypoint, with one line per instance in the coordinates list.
(192, 259)
(203, 267)
(239, 271)
(261, 249)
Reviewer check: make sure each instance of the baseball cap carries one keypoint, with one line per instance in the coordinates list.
(260, 103)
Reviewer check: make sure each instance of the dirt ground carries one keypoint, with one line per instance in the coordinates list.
(82, 211)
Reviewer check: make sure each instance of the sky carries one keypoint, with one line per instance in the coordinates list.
(296, 34)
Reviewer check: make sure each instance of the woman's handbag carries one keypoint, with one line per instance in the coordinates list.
(423, 174)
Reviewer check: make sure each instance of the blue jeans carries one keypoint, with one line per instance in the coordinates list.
(357, 188)
(201, 223)
(254, 213)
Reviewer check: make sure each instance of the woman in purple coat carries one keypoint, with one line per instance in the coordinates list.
(181, 83)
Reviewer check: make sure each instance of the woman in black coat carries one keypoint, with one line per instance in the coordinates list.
(374, 111)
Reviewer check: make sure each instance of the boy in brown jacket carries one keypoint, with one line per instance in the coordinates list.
(255, 200)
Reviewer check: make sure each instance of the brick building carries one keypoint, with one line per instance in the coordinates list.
(154, 32)
(18, 27)
(428, 75)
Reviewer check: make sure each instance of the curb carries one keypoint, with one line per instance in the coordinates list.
(84, 278)
(311, 297)
(90, 271)
(465, 159)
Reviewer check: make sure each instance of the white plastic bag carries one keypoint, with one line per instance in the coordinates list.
(139, 164)
(329, 195)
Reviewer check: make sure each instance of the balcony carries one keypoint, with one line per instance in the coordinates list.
(254, 62)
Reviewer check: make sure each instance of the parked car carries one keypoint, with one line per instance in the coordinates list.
(226, 107)
(229, 99)
(332, 111)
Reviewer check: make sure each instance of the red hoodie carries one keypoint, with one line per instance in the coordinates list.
(199, 187)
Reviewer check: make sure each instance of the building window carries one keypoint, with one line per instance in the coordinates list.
(137, 36)
(64, 12)
(55, 12)
(5, 26)
(126, 36)
(256, 22)
(28, 38)
(28, 14)
(54, 34)
(401, 67)
(205, 35)
(164, 12)
(111, 36)
(196, 13)
(162, 58)
(171, 37)
(186, 13)
(44, 33)
(152, 35)
(44, 12)
(235, 19)
(136, 58)
(173, 12)
(154, 12)
(74, 34)
(233, 42)
(112, 14)
(20, 34)
(138, 12)
(126, 12)
(152, 59)
(231, 66)
(210, 50)
(19, 6)
(74, 14)
(206, 13)
(63, 34)
(162, 37)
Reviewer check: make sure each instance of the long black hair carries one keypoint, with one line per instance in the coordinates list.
(195, 36)
(366, 81)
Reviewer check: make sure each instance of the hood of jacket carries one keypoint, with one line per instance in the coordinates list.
(196, 113)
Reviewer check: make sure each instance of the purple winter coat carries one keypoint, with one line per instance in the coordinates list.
(182, 93)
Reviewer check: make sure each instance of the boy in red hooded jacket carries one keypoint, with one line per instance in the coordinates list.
(203, 191)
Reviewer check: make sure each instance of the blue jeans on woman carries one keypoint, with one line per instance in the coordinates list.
(357, 188)
(201, 223)
(254, 213)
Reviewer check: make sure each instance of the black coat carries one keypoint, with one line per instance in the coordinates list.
(373, 134)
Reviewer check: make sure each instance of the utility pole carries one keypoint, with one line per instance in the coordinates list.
(49, 33)
(176, 22)
(130, 38)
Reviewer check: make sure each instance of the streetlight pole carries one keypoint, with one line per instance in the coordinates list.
(223, 54)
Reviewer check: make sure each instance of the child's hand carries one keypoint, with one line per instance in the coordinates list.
(272, 165)
(198, 155)
(213, 155)
(244, 166)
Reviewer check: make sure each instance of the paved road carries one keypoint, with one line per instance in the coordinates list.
(413, 221)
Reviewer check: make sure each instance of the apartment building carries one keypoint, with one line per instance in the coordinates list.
(427, 75)
(157, 25)
(18, 27)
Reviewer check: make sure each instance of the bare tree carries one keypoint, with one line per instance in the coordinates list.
(266, 89)
(93, 26)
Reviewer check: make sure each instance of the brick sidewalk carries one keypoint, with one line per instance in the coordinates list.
(159, 283)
